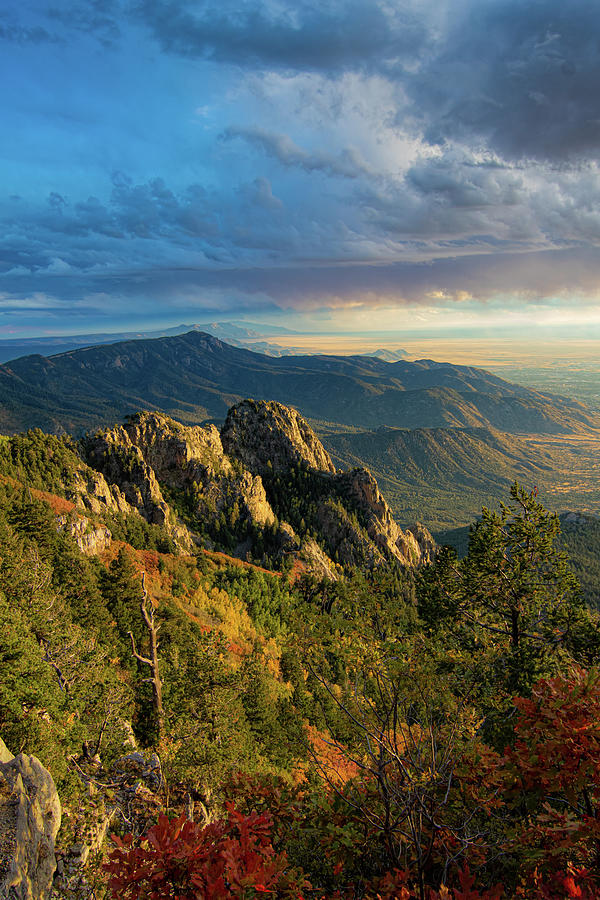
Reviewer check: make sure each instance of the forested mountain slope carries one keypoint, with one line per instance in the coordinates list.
(445, 473)
(283, 697)
(264, 489)
(194, 377)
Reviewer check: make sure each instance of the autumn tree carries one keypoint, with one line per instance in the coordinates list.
(411, 732)
(551, 776)
(226, 859)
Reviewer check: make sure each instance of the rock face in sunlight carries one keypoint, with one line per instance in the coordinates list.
(270, 438)
(30, 815)
(410, 547)
(89, 490)
(263, 485)
(122, 462)
(268, 435)
(151, 450)
(263, 489)
(90, 539)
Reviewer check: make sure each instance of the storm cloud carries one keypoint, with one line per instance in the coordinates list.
(520, 77)
(261, 154)
(293, 36)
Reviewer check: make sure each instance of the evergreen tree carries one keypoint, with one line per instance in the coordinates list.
(122, 591)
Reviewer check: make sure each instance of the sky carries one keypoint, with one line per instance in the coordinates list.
(349, 165)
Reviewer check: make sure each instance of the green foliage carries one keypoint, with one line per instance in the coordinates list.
(31, 702)
(59, 685)
(391, 696)
(513, 594)
(307, 499)
(580, 539)
(132, 529)
(122, 590)
(276, 728)
(267, 597)
(207, 725)
(42, 461)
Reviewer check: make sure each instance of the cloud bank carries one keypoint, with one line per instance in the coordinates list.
(262, 155)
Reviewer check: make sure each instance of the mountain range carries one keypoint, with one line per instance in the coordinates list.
(195, 377)
(240, 334)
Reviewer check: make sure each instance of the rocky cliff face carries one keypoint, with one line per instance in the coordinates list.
(270, 437)
(89, 490)
(30, 816)
(151, 449)
(230, 484)
(91, 539)
(354, 519)
(424, 540)
(178, 454)
(411, 547)
(114, 455)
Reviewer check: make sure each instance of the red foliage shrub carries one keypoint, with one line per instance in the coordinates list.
(179, 859)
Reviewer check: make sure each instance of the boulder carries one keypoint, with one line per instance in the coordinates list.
(30, 816)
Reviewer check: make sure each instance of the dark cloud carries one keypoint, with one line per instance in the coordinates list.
(298, 35)
(520, 77)
(453, 198)
(449, 205)
(476, 176)
(530, 276)
(99, 18)
(463, 182)
(446, 282)
(149, 210)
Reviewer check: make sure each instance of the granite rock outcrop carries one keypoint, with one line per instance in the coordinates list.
(30, 815)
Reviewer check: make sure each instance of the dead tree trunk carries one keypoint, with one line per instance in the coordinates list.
(148, 613)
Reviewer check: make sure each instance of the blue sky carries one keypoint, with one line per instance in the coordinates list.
(353, 164)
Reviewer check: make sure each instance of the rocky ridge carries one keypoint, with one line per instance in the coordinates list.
(151, 450)
(195, 482)
(267, 436)
(270, 438)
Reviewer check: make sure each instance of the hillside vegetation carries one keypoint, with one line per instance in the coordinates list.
(336, 712)
(446, 474)
(579, 539)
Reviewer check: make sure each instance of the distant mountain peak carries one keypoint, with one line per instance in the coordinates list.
(197, 376)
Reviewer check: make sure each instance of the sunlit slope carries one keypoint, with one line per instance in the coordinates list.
(441, 475)
(446, 457)
(195, 377)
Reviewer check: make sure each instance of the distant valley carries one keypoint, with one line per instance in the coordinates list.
(445, 475)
